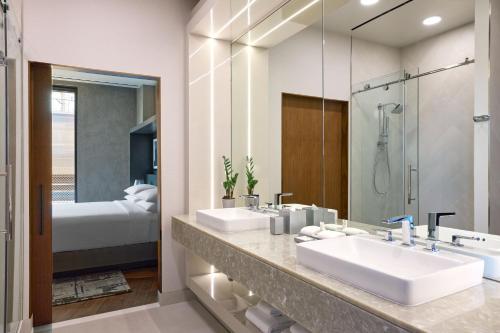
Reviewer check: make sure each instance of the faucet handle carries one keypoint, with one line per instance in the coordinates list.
(431, 245)
(387, 234)
(455, 239)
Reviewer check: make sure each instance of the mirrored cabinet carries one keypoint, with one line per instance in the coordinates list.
(374, 110)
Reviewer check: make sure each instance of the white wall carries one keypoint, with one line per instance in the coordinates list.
(495, 119)
(138, 37)
(445, 126)
(250, 119)
(209, 119)
(294, 66)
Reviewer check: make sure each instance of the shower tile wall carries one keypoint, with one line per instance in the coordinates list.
(443, 126)
(371, 60)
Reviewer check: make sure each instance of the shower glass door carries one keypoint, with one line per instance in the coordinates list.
(379, 158)
(4, 176)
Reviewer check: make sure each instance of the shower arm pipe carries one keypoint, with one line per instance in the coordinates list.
(467, 61)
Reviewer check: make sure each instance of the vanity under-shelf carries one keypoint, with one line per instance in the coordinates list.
(255, 264)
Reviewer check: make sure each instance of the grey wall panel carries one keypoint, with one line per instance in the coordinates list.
(495, 119)
(149, 101)
(105, 115)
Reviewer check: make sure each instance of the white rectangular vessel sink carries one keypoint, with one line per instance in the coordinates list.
(232, 219)
(488, 250)
(408, 276)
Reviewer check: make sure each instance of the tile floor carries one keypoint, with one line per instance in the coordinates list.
(185, 317)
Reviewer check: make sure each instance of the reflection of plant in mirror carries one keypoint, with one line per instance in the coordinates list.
(230, 182)
(249, 170)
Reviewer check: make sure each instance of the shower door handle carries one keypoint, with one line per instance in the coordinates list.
(8, 202)
(410, 170)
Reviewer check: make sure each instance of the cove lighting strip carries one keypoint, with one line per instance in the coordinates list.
(249, 92)
(238, 14)
(225, 26)
(212, 114)
(291, 17)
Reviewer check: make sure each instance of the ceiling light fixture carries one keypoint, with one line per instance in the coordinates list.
(368, 2)
(432, 20)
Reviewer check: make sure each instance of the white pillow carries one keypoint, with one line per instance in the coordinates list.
(148, 206)
(132, 198)
(148, 195)
(138, 188)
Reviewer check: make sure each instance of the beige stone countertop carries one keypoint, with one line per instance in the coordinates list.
(474, 310)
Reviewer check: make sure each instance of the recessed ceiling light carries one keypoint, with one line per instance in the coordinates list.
(368, 2)
(432, 20)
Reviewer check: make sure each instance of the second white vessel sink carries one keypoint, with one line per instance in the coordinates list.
(408, 276)
(232, 219)
(487, 249)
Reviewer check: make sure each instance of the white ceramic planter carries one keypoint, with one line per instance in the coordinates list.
(228, 203)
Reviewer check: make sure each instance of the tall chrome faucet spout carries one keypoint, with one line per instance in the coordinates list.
(408, 228)
(277, 198)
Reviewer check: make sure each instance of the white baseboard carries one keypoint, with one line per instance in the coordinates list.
(25, 326)
(176, 296)
(76, 321)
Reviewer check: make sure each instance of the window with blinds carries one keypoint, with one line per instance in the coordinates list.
(63, 145)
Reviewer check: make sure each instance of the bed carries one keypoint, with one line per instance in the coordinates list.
(90, 234)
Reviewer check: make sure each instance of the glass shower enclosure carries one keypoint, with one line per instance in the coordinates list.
(384, 139)
(11, 265)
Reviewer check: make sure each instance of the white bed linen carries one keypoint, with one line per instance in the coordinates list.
(92, 225)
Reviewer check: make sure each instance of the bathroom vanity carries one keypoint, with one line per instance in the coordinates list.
(266, 266)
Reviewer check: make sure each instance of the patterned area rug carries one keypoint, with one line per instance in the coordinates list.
(89, 286)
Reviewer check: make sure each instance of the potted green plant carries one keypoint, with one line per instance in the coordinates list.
(229, 184)
(252, 199)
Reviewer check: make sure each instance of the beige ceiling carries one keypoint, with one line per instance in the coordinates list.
(403, 26)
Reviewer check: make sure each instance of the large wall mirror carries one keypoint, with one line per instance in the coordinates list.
(372, 108)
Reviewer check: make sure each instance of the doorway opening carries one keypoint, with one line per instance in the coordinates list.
(314, 138)
(94, 191)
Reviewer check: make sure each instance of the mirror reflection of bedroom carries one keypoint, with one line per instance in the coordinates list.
(105, 218)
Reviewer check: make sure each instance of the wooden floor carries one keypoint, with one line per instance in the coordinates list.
(144, 291)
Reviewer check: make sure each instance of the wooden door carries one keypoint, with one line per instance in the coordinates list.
(40, 183)
(336, 156)
(311, 178)
(301, 149)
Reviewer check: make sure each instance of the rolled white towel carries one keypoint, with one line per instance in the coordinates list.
(266, 323)
(333, 227)
(310, 230)
(296, 328)
(326, 234)
(268, 309)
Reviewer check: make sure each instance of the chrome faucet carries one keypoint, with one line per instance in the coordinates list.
(408, 228)
(433, 224)
(278, 196)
